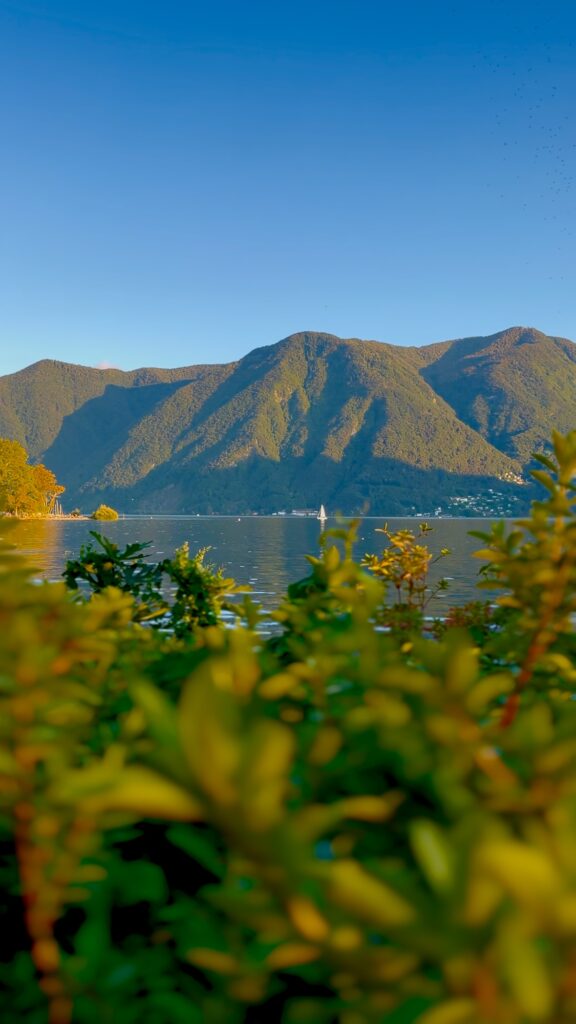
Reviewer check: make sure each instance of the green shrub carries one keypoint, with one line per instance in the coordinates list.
(348, 821)
(179, 593)
(105, 513)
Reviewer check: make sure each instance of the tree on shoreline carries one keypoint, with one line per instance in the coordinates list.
(25, 489)
(104, 512)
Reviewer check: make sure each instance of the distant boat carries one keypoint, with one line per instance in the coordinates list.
(322, 514)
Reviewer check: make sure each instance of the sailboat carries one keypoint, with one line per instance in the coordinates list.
(322, 514)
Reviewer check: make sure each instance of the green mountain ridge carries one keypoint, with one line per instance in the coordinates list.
(362, 426)
(511, 387)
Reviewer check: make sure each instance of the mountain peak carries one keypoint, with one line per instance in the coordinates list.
(361, 425)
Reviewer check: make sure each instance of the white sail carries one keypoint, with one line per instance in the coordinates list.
(322, 513)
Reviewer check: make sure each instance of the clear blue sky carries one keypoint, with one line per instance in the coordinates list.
(181, 182)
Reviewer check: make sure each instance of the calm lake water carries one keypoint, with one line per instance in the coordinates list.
(266, 552)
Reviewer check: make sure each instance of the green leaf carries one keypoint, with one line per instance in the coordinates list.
(174, 1008)
(197, 844)
(138, 881)
(544, 479)
(549, 463)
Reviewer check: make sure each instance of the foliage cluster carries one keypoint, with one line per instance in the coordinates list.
(343, 822)
(403, 566)
(24, 489)
(179, 594)
(104, 513)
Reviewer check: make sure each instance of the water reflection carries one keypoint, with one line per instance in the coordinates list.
(267, 552)
(40, 540)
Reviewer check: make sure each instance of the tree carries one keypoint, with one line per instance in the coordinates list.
(13, 475)
(25, 489)
(104, 512)
(47, 486)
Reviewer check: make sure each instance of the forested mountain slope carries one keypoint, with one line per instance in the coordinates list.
(35, 402)
(362, 425)
(511, 387)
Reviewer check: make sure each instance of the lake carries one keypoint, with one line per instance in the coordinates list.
(267, 552)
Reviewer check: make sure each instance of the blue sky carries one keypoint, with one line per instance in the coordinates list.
(181, 182)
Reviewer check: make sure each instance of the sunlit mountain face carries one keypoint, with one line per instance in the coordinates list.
(360, 426)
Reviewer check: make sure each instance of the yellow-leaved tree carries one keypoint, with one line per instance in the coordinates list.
(25, 489)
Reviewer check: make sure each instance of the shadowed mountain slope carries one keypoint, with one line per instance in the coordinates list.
(359, 424)
(35, 401)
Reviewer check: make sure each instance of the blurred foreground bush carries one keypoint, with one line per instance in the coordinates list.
(358, 819)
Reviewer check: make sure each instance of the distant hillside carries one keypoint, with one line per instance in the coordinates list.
(35, 402)
(511, 387)
(359, 425)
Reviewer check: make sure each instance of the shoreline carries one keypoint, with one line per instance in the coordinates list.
(8, 517)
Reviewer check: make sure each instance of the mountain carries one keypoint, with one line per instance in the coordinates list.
(362, 426)
(511, 387)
